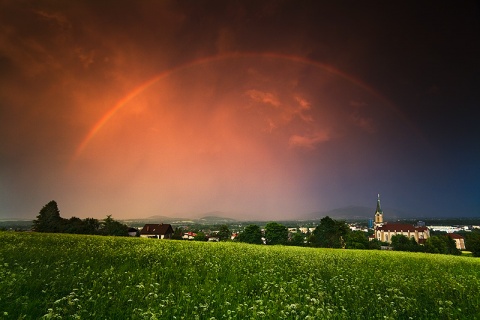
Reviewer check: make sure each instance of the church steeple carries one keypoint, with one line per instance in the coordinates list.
(379, 209)
(378, 213)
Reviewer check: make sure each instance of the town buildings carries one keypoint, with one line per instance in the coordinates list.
(159, 231)
(459, 240)
(384, 231)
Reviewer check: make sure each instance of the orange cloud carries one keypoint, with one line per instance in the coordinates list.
(264, 97)
(284, 112)
(309, 141)
(57, 18)
(304, 105)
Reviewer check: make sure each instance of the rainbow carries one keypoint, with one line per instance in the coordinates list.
(291, 58)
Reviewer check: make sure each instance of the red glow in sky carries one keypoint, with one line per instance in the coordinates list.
(260, 110)
(230, 134)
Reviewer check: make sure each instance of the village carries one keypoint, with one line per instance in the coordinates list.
(376, 230)
(419, 232)
(448, 236)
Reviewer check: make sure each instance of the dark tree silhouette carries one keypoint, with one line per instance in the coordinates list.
(330, 233)
(251, 234)
(276, 233)
(472, 243)
(110, 227)
(224, 233)
(401, 242)
(178, 233)
(357, 240)
(297, 239)
(49, 219)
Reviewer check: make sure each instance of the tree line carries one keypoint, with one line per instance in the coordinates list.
(49, 220)
(329, 233)
(332, 233)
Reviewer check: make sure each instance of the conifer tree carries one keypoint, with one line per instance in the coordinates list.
(49, 219)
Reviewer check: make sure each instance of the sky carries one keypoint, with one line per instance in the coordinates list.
(264, 110)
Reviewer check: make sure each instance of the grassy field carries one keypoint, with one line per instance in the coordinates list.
(92, 277)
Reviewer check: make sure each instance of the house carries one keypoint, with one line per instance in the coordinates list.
(213, 239)
(158, 231)
(132, 232)
(384, 231)
(459, 240)
(189, 235)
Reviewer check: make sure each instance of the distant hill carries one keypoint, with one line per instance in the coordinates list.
(206, 218)
(216, 219)
(166, 219)
(349, 212)
(345, 213)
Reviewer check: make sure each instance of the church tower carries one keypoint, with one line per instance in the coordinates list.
(378, 213)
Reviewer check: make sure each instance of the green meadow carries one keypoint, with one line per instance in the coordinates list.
(61, 276)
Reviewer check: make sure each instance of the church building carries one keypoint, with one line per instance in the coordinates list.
(384, 231)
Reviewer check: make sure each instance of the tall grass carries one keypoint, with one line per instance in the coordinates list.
(91, 277)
